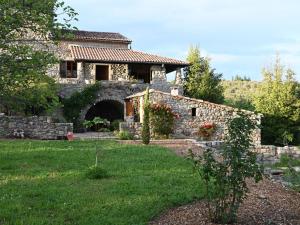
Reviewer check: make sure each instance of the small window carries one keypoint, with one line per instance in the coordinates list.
(68, 69)
(193, 111)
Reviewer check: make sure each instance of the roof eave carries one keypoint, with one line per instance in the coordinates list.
(128, 62)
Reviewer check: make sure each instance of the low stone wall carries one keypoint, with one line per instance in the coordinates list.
(33, 127)
(134, 128)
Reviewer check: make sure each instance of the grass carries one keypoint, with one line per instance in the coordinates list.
(44, 182)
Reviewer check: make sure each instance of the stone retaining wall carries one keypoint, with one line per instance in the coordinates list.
(33, 127)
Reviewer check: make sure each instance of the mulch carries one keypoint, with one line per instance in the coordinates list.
(268, 203)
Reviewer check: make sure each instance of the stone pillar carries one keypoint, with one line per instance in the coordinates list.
(158, 74)
(80, 71)
(178, 77)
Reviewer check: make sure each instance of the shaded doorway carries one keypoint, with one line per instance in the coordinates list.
(101, 72)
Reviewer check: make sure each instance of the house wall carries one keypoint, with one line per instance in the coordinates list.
(86, 71)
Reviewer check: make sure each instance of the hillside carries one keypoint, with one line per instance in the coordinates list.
(240, 93)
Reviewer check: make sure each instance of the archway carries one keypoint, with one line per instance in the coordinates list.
(106, 109)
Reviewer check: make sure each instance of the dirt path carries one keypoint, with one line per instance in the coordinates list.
(268, 203)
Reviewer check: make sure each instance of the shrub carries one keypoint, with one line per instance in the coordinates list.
(225, 177)
(114, 126)
(98, 123)
(146, 120)
(96, 172)
(103, 129)
(125, 135)
(162, 119)
(78, 101)
(206, 130)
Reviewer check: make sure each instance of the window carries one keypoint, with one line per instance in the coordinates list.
(68, 69)
(193, 111)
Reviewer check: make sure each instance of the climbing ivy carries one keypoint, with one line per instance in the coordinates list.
(73, 105)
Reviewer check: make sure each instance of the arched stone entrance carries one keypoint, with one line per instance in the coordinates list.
(106, 109)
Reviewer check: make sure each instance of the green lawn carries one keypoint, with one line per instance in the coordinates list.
(43, 182)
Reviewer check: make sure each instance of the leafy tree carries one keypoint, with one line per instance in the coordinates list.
(278, 101)
(201, 81)
(225, 176)
(146, 119)
(28, 31)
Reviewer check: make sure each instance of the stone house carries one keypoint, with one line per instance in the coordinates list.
(124, 74)
(192, 114)
(88, 57)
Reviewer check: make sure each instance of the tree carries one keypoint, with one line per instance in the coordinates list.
(28, 31)
(201, 81)
(146, 119)
(225, 176)
(241, 78)
(278, 101)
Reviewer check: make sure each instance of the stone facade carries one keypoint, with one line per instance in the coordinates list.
(33, 127)
(188, 125)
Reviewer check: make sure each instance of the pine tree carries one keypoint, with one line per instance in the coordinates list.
(146, 119)
(277, 100)
(201, 81)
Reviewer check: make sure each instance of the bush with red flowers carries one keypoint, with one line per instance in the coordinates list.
(162, 119)
(206, 130)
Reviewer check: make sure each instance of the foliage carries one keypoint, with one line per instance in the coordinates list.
(290, 175)
(38, 99)
(97, 123)
(240, 104)
(146, 119)
(240, 94)
(125, 135)
(225, 178)
(115, 125)
(241, 78)
(162, 119)
(201, 81)
(278, 101)
(25, 88)
(78, 101)
(52, 177)
(206, 130)
(96, 172)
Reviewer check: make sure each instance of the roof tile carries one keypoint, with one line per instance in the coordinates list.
(119, 55)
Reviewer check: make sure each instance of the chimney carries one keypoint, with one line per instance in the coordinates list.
(174, 91)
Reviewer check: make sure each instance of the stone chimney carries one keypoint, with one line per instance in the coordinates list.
(174, 91)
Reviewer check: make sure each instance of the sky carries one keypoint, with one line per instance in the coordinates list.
(239, 36)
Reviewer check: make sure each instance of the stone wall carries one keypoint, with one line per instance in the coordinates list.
(33, 127)
(188, 125)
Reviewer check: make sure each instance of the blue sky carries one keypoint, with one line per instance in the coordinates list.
(240, 36)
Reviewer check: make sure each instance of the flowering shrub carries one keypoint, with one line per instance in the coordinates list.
(206, 130)
(162, 119)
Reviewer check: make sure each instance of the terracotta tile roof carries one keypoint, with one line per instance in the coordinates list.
(98, 36)
(119, 55)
